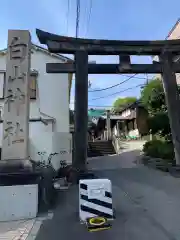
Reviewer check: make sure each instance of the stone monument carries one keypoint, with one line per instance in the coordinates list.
(17, 184)
(16, 106)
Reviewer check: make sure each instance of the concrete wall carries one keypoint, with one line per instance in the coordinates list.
(52, 100)
(44, 142)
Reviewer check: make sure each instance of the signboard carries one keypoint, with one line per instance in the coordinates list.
(96, 192)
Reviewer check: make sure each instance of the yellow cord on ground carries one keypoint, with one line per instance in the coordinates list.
(94, 221)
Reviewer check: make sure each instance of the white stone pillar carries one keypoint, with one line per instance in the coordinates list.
(16, 107)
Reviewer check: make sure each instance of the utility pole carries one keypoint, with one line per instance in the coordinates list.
(108, 124)
(77, 17)
(172, 100)
(147, 80)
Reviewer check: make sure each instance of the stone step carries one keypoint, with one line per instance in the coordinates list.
(100, 148)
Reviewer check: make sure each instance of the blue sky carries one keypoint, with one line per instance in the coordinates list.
(109, 19)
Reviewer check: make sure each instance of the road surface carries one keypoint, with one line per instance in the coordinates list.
(147, 203)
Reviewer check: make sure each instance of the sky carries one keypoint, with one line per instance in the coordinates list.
(108, 19)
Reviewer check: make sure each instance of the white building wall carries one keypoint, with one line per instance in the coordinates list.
(52, 100)
(52, 90)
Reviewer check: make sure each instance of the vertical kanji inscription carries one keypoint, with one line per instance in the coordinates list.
(16, 107)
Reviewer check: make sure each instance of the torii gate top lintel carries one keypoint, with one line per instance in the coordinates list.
(62, 44)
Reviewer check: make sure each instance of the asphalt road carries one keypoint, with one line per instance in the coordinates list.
(146, 202)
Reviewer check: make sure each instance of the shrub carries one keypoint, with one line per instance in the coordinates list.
(159, 149)
(159, 124)
(147, 146)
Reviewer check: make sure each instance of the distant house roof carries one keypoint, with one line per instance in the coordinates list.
(96, 112)
(127, 106)
(131, 105)
(120, 117)
(172, 29)
(156, 58)
(39, 48)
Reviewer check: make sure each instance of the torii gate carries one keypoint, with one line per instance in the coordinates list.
(81, 48)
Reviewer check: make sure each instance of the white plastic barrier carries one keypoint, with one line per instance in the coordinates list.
(95, 198)
(18, 202)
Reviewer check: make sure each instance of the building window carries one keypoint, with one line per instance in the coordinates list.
(33, 85)
(2, 84)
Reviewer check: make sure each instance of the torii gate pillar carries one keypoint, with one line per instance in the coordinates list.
(81, 110)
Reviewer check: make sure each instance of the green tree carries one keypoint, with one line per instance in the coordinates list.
(159, 124)
(120, 102)
(153, 97)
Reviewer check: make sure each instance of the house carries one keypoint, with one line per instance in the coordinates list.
(130, 121)
(49, 107)
(94, 116)
(174, 33)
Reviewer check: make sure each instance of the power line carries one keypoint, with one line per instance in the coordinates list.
(115, 85)
(95, 105)
(67, 17)
(109, 106)
(77, 16)
(99, 106)
(135, 77)
(124, 75)
(140, 85)
(89, 17)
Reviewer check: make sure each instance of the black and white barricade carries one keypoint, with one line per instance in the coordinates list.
(95, 199)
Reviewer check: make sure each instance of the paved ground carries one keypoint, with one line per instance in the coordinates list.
(24, 229)
(147, 203)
